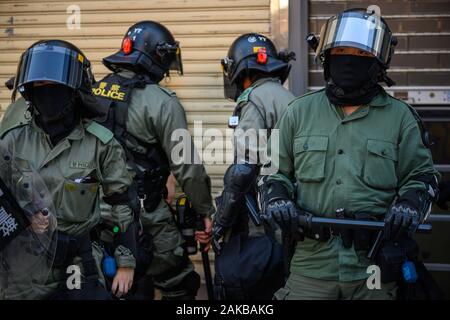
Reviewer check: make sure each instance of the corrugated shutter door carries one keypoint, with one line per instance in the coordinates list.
(205, 29)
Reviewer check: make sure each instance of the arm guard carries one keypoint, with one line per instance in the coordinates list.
(238, 180)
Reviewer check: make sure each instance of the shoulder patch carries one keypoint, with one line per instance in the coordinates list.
(5, 130)
(167, 91)
(101, 132)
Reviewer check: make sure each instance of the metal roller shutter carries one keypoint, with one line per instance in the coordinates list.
(205, 29)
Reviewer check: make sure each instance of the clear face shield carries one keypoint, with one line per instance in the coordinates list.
(27, 230)
(358, 29)
(230, 89)
(45, 62)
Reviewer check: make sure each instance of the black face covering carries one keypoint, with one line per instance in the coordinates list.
(352, 80)
(55, 105)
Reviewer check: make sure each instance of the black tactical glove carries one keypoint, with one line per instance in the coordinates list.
(284, 213)
(401, 219)
(444, 195)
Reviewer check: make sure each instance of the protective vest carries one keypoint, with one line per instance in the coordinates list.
(148, 160)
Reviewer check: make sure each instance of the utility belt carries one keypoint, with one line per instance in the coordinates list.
(396, 259)
(68, 247)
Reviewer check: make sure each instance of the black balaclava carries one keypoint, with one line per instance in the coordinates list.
(351, 80)
(56, 112)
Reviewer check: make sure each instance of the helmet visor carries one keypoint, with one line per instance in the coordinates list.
(51, 63)
(177, 62)
(358, 30)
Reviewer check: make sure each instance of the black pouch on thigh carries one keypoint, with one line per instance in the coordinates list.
(144, 257)
(66, 247)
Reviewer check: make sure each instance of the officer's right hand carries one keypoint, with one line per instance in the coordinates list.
(401, 219)
(122, 282)
(285, 214)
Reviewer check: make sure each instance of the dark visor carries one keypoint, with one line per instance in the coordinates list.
(51, 63)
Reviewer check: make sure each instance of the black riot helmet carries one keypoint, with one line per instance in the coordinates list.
(56, 61)
(252, 52)
(70, 95)
(362, 29)
(147, 47)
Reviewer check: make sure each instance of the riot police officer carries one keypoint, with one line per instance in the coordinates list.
(143, 117)
(75, 157)
(254, 73)
(350, 151)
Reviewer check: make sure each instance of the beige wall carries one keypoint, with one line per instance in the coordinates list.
(205, 29)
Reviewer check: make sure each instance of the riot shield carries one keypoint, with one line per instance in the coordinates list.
(27, 230)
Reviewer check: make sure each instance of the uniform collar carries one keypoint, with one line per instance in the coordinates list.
(245, 94)
(380, 100)
(263, 80)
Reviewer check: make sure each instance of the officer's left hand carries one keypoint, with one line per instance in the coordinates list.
(401, 219)
(122, 282)
(204, 237)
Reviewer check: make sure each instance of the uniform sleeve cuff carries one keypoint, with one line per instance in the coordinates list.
(124, 258)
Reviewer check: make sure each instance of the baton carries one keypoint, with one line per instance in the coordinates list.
(311, 221)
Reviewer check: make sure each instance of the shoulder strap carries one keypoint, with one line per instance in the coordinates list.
(167, 91)
(425, 134)
(101, 132)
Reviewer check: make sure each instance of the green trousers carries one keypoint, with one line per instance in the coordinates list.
(299, 287)
(168, 254)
